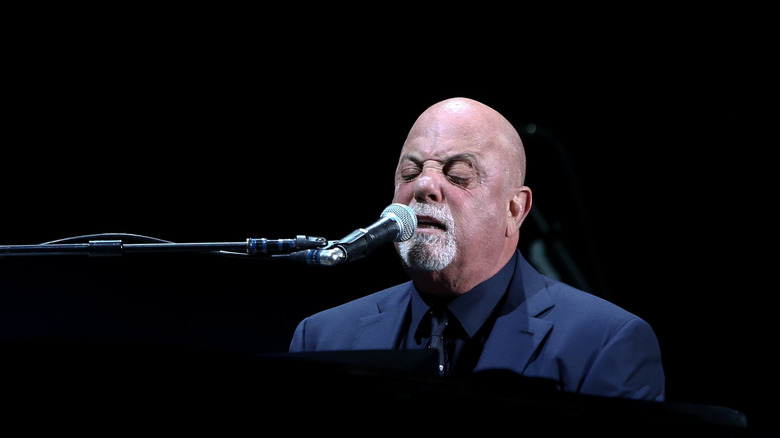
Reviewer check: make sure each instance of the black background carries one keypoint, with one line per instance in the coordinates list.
(645, 145)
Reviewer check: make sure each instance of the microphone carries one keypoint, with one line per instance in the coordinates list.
(397, 223)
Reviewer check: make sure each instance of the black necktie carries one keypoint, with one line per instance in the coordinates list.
(438, 324)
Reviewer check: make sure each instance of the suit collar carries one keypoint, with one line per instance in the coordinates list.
(527, 290)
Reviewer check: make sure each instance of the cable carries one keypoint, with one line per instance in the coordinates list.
(107, 235)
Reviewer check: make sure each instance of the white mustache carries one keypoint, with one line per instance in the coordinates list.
(439, 213)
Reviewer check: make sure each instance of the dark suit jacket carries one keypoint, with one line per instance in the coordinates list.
(546, 329)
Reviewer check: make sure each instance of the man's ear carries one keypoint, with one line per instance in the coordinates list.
(519, 206)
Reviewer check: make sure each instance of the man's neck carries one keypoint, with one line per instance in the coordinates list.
(455, 280)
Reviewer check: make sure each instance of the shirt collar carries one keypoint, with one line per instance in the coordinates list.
(473, 308)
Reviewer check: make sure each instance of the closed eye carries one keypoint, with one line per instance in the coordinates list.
(409, 175)
(461, 172)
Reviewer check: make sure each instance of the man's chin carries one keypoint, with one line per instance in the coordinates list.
(426, 263)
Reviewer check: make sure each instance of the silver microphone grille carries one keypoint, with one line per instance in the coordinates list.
(405, 217)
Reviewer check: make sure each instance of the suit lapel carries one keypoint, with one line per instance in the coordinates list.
(513, 342)
(381, 330)
(518, 332)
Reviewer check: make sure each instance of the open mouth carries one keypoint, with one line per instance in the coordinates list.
(425, 222)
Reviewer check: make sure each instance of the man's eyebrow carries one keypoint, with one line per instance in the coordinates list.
(464, 156)
(411, 158)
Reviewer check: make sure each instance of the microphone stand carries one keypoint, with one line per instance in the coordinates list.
(109, 245)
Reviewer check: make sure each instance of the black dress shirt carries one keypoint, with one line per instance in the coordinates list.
(471, 317)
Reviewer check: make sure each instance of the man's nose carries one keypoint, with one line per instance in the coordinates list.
(427, 187)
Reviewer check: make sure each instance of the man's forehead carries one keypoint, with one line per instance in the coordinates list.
(441, 148)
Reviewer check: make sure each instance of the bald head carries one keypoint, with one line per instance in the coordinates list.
(469, 119)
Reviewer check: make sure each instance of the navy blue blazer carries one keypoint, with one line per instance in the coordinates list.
(550, 330)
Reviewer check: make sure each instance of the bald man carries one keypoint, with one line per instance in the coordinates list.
(462, 170)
